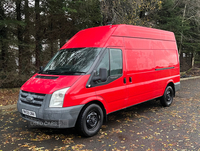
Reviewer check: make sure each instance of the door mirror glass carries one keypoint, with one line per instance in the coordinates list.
(103, 74)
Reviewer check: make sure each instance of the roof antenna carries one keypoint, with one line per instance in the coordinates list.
(109, 23)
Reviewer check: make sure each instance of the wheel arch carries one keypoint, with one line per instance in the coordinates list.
(173, 87)
(94, 102)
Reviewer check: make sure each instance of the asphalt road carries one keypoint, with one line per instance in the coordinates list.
(147, 126)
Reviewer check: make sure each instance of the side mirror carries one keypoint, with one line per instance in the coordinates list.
(103, 74)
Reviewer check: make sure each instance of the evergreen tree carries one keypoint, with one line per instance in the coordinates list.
(3, 39)
(180, 17)
(169, 18)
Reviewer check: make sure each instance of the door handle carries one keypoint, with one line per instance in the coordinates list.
(130, 79)
(124, 80)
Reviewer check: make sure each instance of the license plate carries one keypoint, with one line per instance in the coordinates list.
(29, 113)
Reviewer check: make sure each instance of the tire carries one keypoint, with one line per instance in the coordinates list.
(90, 120)
(167, 98)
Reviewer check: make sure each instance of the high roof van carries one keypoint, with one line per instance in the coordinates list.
(98, 71)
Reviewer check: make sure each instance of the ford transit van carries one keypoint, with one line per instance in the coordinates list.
(98, 71)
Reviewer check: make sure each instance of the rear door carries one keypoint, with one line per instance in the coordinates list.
(113, 90)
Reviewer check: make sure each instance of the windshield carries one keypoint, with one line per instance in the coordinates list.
(73, 61)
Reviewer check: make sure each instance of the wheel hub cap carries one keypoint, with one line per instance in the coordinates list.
(92, 119)
(169, 96)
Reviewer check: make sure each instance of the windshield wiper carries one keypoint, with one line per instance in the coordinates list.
(61, 72)
(72, 72)
(50, 71)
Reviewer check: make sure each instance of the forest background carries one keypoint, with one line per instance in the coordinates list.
(32, 31)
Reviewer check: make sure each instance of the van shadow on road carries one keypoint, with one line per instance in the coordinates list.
(147, 126)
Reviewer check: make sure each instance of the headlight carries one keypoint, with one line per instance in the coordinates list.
(57, 98)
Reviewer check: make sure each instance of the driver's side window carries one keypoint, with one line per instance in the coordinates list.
(104, 63)
(112, 61)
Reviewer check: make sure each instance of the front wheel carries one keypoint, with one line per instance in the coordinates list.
(167, 98)
(90, 120)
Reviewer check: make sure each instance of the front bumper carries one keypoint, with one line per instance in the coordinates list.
(50, 117)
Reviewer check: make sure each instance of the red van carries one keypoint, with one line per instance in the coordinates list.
(98, 71)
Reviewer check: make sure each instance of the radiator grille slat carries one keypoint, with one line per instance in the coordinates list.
(35, 99)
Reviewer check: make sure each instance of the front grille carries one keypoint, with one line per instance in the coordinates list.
(30, 98)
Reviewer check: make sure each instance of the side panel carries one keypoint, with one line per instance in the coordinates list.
(151, 65)
(167, 69)
(143, 32)
(115, 42)
(140, 75)
(149, 44)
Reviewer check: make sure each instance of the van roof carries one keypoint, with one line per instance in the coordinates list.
(98, 36)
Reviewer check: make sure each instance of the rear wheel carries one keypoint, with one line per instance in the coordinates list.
(167, 98)
(90, 120)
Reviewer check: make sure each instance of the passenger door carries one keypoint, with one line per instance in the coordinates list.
(113, 90)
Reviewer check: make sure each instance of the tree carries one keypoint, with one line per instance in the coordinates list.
(169, 18)
(38, 35)
(3, 39)
(181, 17)
(20, 34)
(192, 15)
(129, 12)
(84, 14)
(26, 39)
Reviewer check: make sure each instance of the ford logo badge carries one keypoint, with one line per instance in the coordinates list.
(29, 98)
